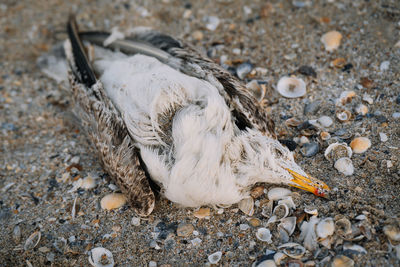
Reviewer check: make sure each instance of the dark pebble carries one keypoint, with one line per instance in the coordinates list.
(264, 258)
(312, 107)
(359, 117)
(291, 145)
(340, 132)
(307, 70)
(310, 149)
(398, 100)
(305, 125)
(381, 118)
(347, 67)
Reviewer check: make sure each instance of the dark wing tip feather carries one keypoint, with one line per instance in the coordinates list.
(85, 72)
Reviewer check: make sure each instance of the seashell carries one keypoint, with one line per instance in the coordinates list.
(325, 136)
(336, 151)
(184, 230)
(293, 250)
(278, 193)
(342, 261)
(345, 97)
(289, 224)
(343, 227)
(292, 122)
(357, 248)
(392, 232)
(288, 201)
(113, 201)
(310, 149)
(88, 182)
(362, 109)
(244, 227)
(367, 98)
(294, 263)
(264, 235)
(311, 211)
(33, 240)
(343, 115)
(325, 228)
(257, 192)
(361, 217)
(345, 166)
(135, 221)
(273, 219)
(338, 62)
(202, 213)
(308, 235)
(101, 257)
(383, 137)
(283, 235)
(325, 121)
(255, 222)
(258, 90)
(247, 206)
(279, 257)
(267, 209)
(243, 69)
(281, 211)
(215, 257)
(360, 144)
(266, 263)
(331, 40)
(291, 87)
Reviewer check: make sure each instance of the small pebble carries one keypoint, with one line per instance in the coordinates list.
(384, 65)
(184, 230)
(255, 222)
(325, 121)
(257, 192)
(307, 70)
(312, 108)
(113, 201)
(215, 257)
(383, 137)
(331, 40)
(88, 182)
(304, 140)
(310, 149)
(244, 227)
(212, 23)
(291, 145)
(135, 221)
(360, 144)
(196, 241)
(152, 264)
(202, 213)
(396, 115)
(362, 109)
(398, 99)
(197, 35)
(243, 69)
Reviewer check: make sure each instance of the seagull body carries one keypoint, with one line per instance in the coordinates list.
(156, 109)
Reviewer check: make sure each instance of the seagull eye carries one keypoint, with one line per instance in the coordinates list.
(278, 153)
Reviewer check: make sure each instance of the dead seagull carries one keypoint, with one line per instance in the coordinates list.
(159, 111)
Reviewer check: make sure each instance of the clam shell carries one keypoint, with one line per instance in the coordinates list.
(325, 228)
(33, 240)
(293, 250)
(325, 121)
(345, 166)
(113, 201)
(258, 90)
(342, 261)
(279, 257)
(331, 40)
(343, 227)
(336, 151)
(247, 206)
(325, 136)
(278, 193)
(360, 144)
(343, 115)
(288, 201)
(308, 234)
(289, 224)
(267, 209)
(392, 232)
(264, 235)
(215, 257)
(362, 109)
(291, 87)
(281, 211)
(101, 257)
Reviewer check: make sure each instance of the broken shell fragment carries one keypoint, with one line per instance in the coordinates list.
(33, 240)
(291, 87)
(278, 193)
(392, 232)
(345, 97)
(264, 235)
(113, 201)
(215, 257)
(202, 213)
(362, 109)
(360, 144)
(88, 182)
(289, 224)
(354, 247)
(101, 257)
(331, 40)
(293, 250)
(311, 211)
(338, 62)
(345, 166)
(281, 211)
(343, 115)
(342, 261)
(325, 228)
(325, 121)
(292, 122)
(343, 227)
(336, 151)
(308, 234)
(325, 136)
(257, 192)
(258, 90)
(279, 257)
(247, 206)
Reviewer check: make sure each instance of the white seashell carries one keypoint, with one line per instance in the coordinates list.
(336, 151)
(345, 166)
(293, 250)
(264, 235)
(325, 228)
(331, 40)
(256, 89)
(343, 115)
(343, 227)
(392, 232)
(367, 98)
(342, 261)
(361, 217)
(101, 257)
(383, 137)
(279, 257)
(273, 219)
(152, 264)
(291, 87)
(215, 257)
(360, 144)
(267, 209)
(288, 201)
(278, 193)
(247, 206)
(362, 109)
(135, 221)
(325, 121)
(345, 97)
(113, 201)
(289, 224)
(326, 242)
(311, 211)
(281, 211)
(33, 240)
(88, 182)
(244, 227)
(357, 248)
(267, 263)
(325, 136)
(308, 234)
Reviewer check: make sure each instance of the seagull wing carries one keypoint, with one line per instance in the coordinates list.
(106, 128)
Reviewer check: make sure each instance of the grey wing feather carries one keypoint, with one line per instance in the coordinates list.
(106, 128)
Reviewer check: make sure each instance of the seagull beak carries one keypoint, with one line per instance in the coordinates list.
(310, 184)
